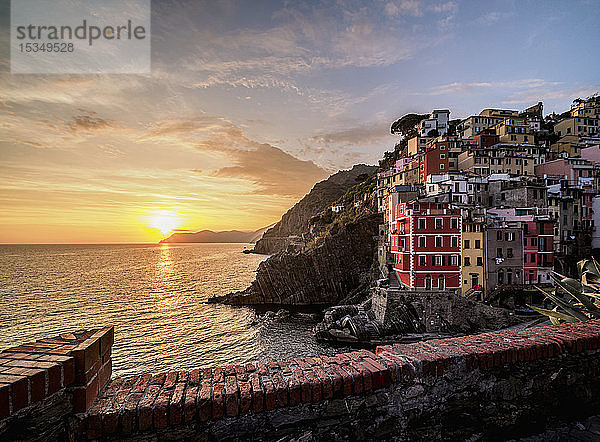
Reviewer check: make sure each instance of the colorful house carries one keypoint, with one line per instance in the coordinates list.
(426, 243)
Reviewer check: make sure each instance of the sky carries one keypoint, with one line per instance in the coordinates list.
(249, 103)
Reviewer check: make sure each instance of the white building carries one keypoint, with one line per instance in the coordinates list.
(438, 120)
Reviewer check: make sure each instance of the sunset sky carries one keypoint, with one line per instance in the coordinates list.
(250, 103)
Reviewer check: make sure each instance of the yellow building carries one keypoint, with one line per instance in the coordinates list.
(417, 144)
(473, 268)
(514, 131)
(587, 109)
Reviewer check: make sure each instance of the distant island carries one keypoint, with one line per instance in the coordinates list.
(208, 236)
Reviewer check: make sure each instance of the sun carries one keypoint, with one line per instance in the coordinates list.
(164, 221)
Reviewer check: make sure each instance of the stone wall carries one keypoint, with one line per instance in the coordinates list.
(490, 386)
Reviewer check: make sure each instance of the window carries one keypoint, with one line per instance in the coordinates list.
(499, 252)
(438, 261)
(421, 241)
(467, 244)
(439, 223)
(480, 261)
(500, 276)
(499, 235)
(439, 241)
(454, 260)
(442, 156)
(454, 223)
(534, 242)
(509, 253)
(422, 260)
(454, 241)
(441, 166)
(422, 223)
(478, 244)
(467, 261)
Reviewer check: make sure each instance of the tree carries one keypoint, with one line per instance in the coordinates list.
(405, 125)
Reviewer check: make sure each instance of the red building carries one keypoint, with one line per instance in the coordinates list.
(538, 251)
(426, 243)
(434, 160)
(486, 138)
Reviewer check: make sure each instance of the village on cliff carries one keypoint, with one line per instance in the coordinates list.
(492, 203)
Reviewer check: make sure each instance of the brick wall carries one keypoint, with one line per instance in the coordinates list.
(493, 385)
(75, 366)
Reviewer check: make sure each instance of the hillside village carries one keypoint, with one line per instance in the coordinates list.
(491, 204)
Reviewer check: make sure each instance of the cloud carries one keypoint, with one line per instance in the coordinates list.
(356, 136)
(543, 94)
(89, 123)
(271, 170)
(477, 87)
(494, 17)
(275, 172)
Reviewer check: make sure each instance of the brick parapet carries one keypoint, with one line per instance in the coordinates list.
(78, 362)
(154, 402)
(199, 399)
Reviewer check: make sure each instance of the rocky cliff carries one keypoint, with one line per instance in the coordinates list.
(325, 274)
(295, 222)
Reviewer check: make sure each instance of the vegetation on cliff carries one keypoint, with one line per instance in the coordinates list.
(295, 223)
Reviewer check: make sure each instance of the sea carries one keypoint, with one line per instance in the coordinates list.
(155, 295)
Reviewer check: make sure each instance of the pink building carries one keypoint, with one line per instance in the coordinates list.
(569, 168)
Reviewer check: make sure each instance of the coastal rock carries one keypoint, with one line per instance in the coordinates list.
(319, 276)
(295, 222)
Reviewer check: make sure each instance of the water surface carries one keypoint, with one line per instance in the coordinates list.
(154, 295)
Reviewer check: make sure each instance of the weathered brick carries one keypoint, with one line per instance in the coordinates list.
(281, 390)
(170, 380)
(161, 408)
(218, 375)
(295, 391)
(55, 379)
(4, 400)
(218, 405)
(270, 400)
(142, 383)
(231, 395)
(262, 368)
(176, 404)
(128, 413)
(325, 382)
(94, 420)
(240, 373)
(315, 385)
(84, 396)
(145, 410)
(305, 386)
(245, 396)
(257, 393)
(195, 377)
(189, 402)
(205, 401)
